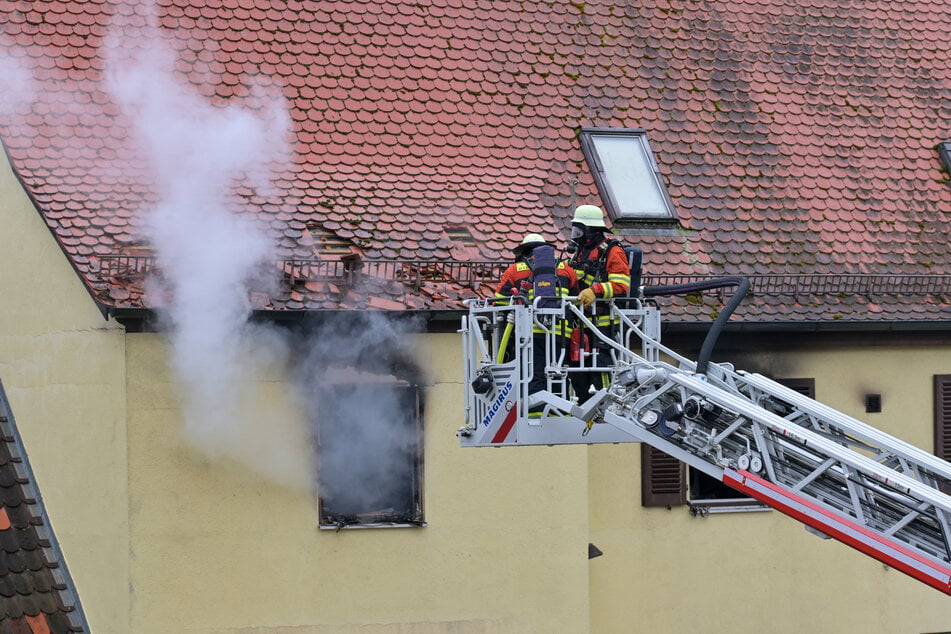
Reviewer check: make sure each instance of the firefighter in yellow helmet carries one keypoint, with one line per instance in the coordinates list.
(603, 274)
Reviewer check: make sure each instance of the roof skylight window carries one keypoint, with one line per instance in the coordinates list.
(627, 176)
(944, 151)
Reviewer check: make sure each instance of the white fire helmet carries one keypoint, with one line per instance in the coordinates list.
(589, 216)
(530, 241)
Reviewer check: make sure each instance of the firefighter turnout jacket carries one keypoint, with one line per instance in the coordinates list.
(517, 280)
(605, 270)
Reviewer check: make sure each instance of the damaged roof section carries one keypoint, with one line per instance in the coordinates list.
(36, 590)
(794, 138)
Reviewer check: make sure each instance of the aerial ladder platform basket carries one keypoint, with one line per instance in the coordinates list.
(839, 476)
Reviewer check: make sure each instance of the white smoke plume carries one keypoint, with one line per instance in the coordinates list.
(238, 401)
(16, 84)
(236, 405)
(364, 371)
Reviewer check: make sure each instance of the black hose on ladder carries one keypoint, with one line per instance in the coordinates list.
(743, 287)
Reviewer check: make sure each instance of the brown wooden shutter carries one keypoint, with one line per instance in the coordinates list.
(942, 416)
(942, 422)
(663, 478)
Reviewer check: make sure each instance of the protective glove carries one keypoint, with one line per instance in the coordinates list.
(586, 296)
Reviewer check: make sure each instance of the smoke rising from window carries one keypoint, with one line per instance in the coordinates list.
(236, 405)
(368, 401)
(238, 402)
(248, 391)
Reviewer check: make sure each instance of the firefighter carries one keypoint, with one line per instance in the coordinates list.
(518, 278)
(603, 273)
(536, 272)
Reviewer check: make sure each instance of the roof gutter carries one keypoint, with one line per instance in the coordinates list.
(827, 326)
(448, 320)
(148, 320)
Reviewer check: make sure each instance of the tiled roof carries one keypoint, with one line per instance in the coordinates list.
(36, 592)
(795, 136)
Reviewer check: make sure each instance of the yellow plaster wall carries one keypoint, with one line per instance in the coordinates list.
(666, 571)
(160, 537)
(218, 547)
(63, 368)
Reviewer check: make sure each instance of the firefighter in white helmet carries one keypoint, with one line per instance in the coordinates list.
(536, 273)
(518, 278)
(603, 274)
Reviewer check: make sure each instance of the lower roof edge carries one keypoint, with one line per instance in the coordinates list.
(442, 320)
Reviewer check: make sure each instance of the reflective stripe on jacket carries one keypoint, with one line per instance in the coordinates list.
(612, 282)
(517, 280)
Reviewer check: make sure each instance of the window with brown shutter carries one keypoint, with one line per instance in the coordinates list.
(806, 387)
(663, 478)
(942, 421)
(942, 416)
(709, 495)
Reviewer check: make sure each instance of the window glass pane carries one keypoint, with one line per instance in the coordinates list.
(944, 151)
(629, 174)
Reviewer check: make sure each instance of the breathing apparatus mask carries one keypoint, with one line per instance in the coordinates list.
(581, 236)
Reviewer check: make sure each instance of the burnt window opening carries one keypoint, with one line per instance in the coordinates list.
(627, 176)
(370, 454)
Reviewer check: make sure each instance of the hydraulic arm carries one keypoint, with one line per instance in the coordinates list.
(839, 476)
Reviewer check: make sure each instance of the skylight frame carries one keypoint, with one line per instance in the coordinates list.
(621, 207)
(944, 151)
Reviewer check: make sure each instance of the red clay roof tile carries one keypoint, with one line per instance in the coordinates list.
(758, 112)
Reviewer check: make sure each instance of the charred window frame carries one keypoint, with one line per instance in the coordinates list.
(369, 440)
(627, 176)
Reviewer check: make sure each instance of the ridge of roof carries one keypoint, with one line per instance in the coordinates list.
(37, 593)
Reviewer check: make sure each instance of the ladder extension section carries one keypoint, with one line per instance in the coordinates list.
(845, 479)
(837, 475)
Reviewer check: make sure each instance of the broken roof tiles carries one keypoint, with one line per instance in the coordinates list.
(794, 137)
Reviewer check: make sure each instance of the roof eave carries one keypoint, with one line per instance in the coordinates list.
(447, 320)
